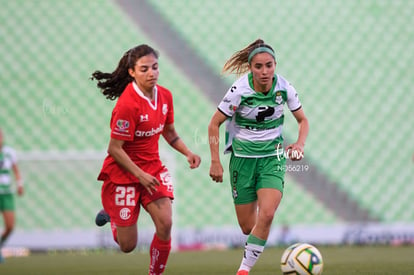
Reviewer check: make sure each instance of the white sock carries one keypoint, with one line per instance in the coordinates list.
(251, 255)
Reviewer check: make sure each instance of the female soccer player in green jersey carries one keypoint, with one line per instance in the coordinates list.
(8, 164)
(253, 111)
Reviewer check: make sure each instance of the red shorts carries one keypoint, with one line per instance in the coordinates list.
(123, 201)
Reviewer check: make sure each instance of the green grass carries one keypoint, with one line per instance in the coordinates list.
(338, 260)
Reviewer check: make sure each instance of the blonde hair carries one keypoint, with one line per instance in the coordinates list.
(238, 63)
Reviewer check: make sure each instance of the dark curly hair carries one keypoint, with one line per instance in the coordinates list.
(113, 84)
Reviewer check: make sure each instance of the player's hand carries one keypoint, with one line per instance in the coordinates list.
(194, 160)
(149, 182)
(216, 171)
(295, 151)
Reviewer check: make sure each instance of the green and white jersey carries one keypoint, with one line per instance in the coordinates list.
(7, 159)
(254, 127)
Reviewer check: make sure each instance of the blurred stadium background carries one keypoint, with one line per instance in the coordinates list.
(351, 62)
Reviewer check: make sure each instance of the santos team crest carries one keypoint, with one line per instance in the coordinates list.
(279, 98)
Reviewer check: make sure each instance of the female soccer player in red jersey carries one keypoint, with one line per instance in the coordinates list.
(132, 173)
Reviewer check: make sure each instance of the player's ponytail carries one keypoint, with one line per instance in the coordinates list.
(113, 84)
(239, 62)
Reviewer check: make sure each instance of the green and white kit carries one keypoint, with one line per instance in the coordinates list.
(254, 135)
(7, 159)
(254, 127)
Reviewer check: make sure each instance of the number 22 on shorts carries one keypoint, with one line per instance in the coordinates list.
(125, 196)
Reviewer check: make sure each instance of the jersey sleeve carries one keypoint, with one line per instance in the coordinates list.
(293, 101)
(170, 113)
(12, 154)
(123, 122)
(230, 102)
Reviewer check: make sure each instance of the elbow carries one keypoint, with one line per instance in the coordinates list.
(209, 128)
(111, 151)
(304, 122)
(212, 127)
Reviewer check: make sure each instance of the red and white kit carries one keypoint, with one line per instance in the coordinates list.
(139, 122)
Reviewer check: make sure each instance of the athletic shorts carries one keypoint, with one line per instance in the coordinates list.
(7, 202)
(123, 201)
(247, 175)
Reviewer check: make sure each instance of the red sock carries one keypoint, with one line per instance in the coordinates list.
(114, 232)
(159, 252)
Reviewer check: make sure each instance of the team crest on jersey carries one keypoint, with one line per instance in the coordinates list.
(166, 180)
(235, 193)
(122, 125)
(125, 213)
(164, 109)
(278, 98)
(143, 118)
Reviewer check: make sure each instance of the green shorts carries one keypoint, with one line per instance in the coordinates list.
(247, 175)
(7, 202)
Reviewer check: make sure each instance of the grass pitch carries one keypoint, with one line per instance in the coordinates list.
(337, 260)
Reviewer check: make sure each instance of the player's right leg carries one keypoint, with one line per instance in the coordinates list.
(243, 183)
(102, 218)
(127, 237)
(121, 204)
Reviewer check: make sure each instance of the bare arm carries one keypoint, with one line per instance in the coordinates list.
(121, 157)
(296, 150)
(216, 169)
(18, 178)
(171, 136)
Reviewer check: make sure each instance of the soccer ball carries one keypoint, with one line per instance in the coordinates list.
(301, 258)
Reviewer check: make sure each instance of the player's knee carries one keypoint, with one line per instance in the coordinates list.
(246, 228)
(246, 231)
(164, 228)
(127, 247)
(164, 234)
(8, 229)
(267, 217)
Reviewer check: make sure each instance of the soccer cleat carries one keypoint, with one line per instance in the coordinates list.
(242, 272)
(102, 218)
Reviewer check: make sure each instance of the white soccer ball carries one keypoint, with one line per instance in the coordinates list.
(301, 258)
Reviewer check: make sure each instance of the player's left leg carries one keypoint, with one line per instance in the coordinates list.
(269, 190)
(7, 209)
(160, 211)
(268, 201)
(1, 238)
(9, 221)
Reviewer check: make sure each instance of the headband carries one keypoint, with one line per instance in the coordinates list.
(261, 49)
